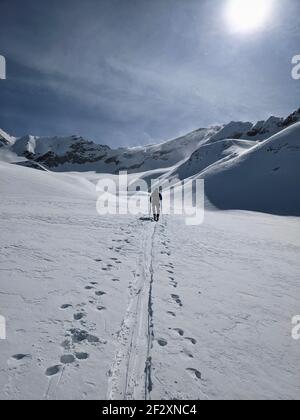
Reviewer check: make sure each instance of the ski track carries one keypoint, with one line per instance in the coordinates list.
(127, 309)
(150, 326)
(130, 373)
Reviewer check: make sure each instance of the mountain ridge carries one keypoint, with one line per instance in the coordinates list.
(265, 178)
(255, 170)
(75, 153)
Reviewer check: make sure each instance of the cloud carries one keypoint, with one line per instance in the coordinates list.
(129, 72)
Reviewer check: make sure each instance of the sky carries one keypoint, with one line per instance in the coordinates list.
(130, 72)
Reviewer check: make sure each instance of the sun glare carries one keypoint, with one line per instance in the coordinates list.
(248, 15)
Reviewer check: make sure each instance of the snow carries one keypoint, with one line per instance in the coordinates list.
(6, 155)
(264, 178)
(88, 300)
(119, 307)
(16, 181)
(77, 154)
(6, 138)
(260, 131)
(232, 130)
(209, 153)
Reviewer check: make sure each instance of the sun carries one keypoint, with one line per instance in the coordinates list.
(247, 15)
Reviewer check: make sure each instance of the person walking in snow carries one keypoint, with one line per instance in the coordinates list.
(156, 200)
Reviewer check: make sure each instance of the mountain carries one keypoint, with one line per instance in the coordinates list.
(246, 166)
(76, 294)
(260, 131)
(208, 154)
(230, 141)
(264, 178)
(75, 153)
(6, 139)
(33, 165)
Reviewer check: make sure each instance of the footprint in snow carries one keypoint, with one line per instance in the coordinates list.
(173, 282)
(53, 370)
(67, 359)
(78, 336)
(177, 299)
(192, 340)
(19, 357)
(179, 331)
(79, 315)
(195, 372)
(187, 353)
(66, 306)
(162, 342)
(82, 356)
(100, 293)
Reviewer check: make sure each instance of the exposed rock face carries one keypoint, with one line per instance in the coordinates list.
(260, 131)
(5, 139)
(291, 119)
(78, 154)
(74, 153)
(31, 164)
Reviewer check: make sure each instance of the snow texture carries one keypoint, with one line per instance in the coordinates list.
(119, 307)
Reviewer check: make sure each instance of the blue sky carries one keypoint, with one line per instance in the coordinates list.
(128, 72)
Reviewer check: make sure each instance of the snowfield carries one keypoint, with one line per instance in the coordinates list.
(264, 178)
(118, 307)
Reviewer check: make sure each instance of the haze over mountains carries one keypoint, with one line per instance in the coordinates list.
(246, 166)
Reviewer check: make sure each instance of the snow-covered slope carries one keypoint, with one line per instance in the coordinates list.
(233, 130)
(265, 178)
(260, 131)
(209, 153)
(21, 181)
(31, 164)
(6, 139)
(75, 153)
(98, 306)
(246, 166)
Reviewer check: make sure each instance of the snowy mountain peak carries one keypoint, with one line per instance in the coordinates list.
(6, 139)
(291, 119)
(260, 131)
(39, 146)
(233, 130)
(75, 153)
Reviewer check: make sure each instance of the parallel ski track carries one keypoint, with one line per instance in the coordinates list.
(130, 373)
